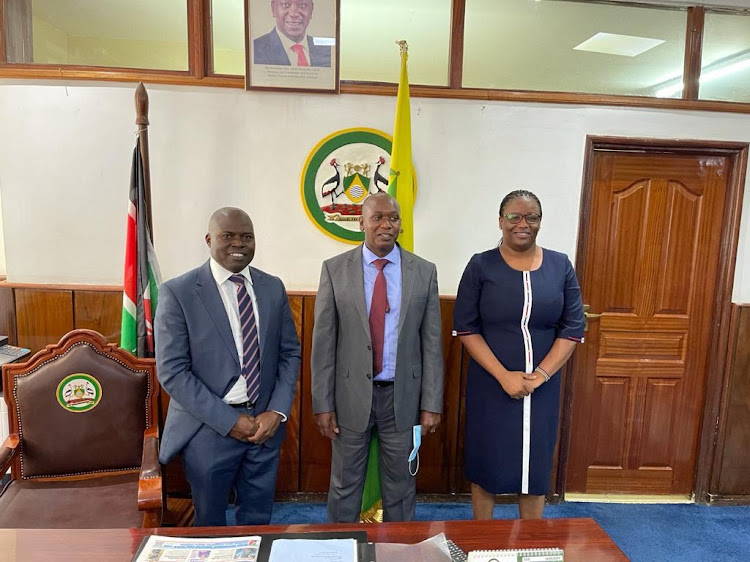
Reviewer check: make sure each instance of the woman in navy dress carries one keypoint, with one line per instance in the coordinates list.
(519, 314)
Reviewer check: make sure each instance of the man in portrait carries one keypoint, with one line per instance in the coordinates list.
(288, 43)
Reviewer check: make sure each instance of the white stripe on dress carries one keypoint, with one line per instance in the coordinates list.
(529, 351)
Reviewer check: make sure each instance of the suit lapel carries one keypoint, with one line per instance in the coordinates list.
(260, 287)
(356, 273)
(407, 285)
(208, 292)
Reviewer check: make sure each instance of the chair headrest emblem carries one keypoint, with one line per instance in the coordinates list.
(79, 393)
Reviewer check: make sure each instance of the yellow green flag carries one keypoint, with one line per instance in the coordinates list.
(401, 180)
(401, 186)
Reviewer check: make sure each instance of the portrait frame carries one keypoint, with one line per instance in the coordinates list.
(272, 32)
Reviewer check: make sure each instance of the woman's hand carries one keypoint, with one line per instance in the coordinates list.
(515, 385)
(532, 381)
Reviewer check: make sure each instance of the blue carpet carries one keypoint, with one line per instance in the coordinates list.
(645, 533)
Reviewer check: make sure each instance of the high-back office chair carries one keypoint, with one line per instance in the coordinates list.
(83, 438)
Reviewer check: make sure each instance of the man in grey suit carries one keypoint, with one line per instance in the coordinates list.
(376, 362)
(228, 355)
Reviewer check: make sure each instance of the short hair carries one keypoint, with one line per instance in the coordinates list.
(517, 194)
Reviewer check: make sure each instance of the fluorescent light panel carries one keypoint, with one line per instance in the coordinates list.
(614, 44)
(708, 74)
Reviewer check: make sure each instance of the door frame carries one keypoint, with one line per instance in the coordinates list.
(715, 397)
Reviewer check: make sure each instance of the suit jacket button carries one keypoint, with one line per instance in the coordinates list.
(369, 348)
(369, 376)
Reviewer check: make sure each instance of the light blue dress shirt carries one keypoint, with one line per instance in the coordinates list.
(392, 272)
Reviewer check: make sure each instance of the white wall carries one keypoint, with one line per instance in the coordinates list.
(65, 156)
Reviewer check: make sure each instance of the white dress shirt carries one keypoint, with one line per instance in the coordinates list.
(288, 44)
(228, 292)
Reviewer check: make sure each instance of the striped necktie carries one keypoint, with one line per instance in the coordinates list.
(250, 346)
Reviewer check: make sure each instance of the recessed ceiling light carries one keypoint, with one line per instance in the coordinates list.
(614, 44)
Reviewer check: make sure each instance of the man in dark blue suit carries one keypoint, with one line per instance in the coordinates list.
(288, 44)
(228, 355)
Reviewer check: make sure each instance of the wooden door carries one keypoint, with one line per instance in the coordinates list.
(650, 268)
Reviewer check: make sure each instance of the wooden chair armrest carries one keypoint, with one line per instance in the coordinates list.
(150, 480)
(8, 451)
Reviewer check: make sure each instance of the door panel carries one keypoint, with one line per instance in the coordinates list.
(650, 270)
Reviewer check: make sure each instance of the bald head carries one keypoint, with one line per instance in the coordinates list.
(231, 238)
(379, 196)
(224, 213)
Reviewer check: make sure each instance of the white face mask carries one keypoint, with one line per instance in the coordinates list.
(417, 441)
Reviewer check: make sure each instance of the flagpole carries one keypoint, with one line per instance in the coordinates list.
(141, 120)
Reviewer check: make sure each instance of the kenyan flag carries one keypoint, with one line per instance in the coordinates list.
(142, 277)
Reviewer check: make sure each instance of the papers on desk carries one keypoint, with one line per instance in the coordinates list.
(312, 550)
(187, 549)
(434, 549)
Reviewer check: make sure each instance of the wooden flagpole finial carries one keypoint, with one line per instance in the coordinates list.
(141, 105)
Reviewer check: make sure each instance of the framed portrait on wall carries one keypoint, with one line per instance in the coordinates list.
(292, 45)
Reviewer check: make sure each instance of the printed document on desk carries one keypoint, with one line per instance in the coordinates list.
(311, 550)
(188, 549)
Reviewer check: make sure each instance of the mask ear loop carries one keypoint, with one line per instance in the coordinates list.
(417, 469)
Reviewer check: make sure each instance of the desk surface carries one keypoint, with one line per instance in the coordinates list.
(582, 539)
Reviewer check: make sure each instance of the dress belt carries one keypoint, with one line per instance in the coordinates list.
(382, 383)
(246, 405)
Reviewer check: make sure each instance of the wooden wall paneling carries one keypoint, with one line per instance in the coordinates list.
(734, 470)
(315, 450)
(289, 464)
(100, 311)
(721, 429)
(43, 316)
(437, 454)
(715, 406)
(8, 314)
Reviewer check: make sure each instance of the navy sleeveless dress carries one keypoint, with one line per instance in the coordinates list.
(509, 443)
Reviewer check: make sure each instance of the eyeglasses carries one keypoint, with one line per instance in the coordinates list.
(515, 218)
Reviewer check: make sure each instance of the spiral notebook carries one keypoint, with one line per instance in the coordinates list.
(520, 555)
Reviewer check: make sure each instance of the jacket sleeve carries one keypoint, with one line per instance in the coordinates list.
(174, 364)
(324, 344)
(432, 350)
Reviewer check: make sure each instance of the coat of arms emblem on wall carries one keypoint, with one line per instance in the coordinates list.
(341, 171)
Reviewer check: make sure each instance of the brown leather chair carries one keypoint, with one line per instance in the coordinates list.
(83, 443)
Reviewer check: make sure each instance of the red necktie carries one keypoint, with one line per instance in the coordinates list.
(378, 308)
(251, 349)
(300, 50)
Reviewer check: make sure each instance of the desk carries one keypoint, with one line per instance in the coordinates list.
(582, 539)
